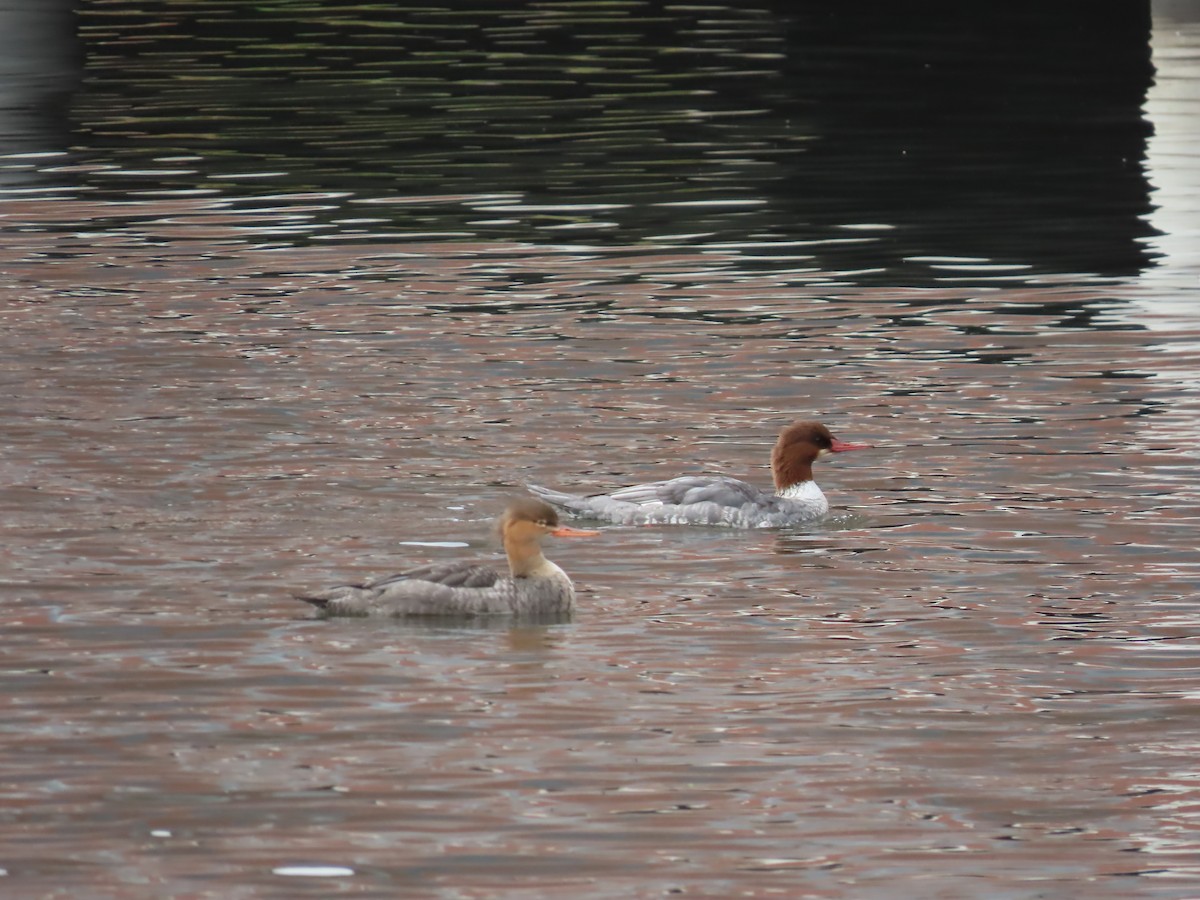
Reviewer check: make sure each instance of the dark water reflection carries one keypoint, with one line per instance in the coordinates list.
(866, 140)
(465, 273)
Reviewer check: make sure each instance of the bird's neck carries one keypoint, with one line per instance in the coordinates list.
(803, 490)
(525, 557)
(789, 473)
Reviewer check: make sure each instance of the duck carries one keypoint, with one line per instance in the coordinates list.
(718, 500)
(533, 586)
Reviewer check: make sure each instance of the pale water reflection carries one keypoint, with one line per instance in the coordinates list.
(977, 678)
(986, 655)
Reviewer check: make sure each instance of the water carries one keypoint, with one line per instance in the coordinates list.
(307, 297)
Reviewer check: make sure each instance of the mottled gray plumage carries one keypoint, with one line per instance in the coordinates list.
(533, 586)
(718, 500)
(695, 500)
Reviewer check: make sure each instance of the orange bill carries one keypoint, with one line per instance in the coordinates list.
(843, 446)
(567, 531)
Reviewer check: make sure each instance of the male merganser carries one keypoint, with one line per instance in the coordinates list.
(716, 500)
(534, 586)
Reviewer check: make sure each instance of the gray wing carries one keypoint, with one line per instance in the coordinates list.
(694, 489)
(459, 574)
(428, 589)
(461, 590)
(690, 500)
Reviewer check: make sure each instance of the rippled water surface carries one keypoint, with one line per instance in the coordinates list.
(305, 296)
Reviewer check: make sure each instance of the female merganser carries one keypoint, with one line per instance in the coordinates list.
(716, 500)
(534, 586)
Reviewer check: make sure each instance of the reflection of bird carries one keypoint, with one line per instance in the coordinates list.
(716, 500)
(534, 585)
